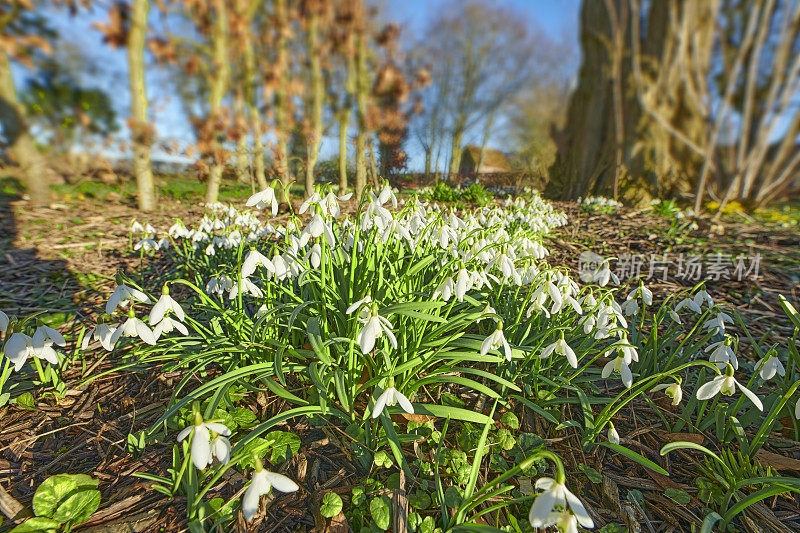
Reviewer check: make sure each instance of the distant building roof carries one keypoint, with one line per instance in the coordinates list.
(493, 160)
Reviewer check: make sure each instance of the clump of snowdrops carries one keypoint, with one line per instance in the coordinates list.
(351, 320)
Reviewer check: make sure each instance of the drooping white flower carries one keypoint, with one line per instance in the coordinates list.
(561, 348)
(122, 295)
(133, 327)
(263, 481)
(246, 287)
(168, 325)
(556, 500)
(445, 289)
(619, 364)
(53, 335)
(201, 439)
(769, 366)
(102, 333)
(613, 435)
(317, 226)
(496, 340)
(672, 390)
(722, 353)
(263, 199)
(391, 397)
(219, 285)
(164, 305)
(727, 385)
(387, 194)
(253, 260)
(357, 305)
(221, 449)
(717, 324)
(375, 326)
(3, 322)
(688, 302)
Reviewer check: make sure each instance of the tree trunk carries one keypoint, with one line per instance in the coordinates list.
(241, 170)
(141, 129)
(282, 100)
(33, 170)
(344, 123)
(455, 154)
(219, 84)
(314, 136)
(254, 115)
(487, 131)
(362, 88)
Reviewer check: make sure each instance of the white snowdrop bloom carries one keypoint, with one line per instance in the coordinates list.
(391, 397)
(549, 507)
(102, 333)
(263, 199)
(314, 199)
(136, 227)
(495, 341)
(330, 204)
(246, 287)
(717, 324)
(561, 348)
(445, 289)
(613, 435)
(631, 306)
(165, 304)
(386, 195)
(201, 439)
(210, 250)
(726, 384)
(149, 229)
(505, 265)
(769, 366)
(316, 227)
(177, 230)
(357, 305)
(3, 322)
(672, 390)
(588, 323)
(162, 244)
(375, 326)
(20, 347)
(620, 364)
(282, 270)
(603, 275)
(133, 327)
(703, 298)
(122, 295)
(263, 481)
(797, 409)
(722, 354)
(219, 285)
(314, 255)
(221, 449)
(488, 312)
(675, 318)
(688, 302)
(167, 325)
(147, 244)
(52, 334)
(253, 260)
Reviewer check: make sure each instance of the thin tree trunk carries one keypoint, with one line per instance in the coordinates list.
(33, 170)
(487, 131)
(455, 154)
(344, 123)
(219, 84)
(317, 100)
(362, 87)
(241, 170)
(141, 136)
(282, 100)
(255, 121)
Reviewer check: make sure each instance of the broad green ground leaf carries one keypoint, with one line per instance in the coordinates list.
(381, 510)
(56, 489)
(39, 524)
(331, 505)
(284, 446)
(78, 507)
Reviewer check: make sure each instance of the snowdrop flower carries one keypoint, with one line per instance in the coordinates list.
(20, 347)
(262, 483)
(263, 199)
(487, 312)
(136, 227)
(631, 306)
(52, 334)
(769, 366)
(168, 325)
(316, 227)
(210, 250)
(315, 198)
(375, 326)
(147, 244)
(219, 285)
(613, 436)
(245, 286)
(253, 260)
(619, 364)
(164, 305)
(495, 341)
(221, 449)
(688, 302)
(357, 305)
(201, 439)
(673, 391)
(723, 353)
(133, 327)
(544, 512)
(122, 295)
(314, 255)
(561, 348)
(717, 324)
(3, 322)
(797, 409)
(387, 194)
(391, 397)
(702, 297)
(330, 203)
(445, 289)
(675, 318)
(727, 384)
(102, 333)
(463, 284)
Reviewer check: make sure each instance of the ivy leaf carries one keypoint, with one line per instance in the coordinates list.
(245, 418)
(678, 496)
(331, 505)
(381, 511)
(56, 489)
(78, 507)
(284, 446)
(510, 419)
(39, 524)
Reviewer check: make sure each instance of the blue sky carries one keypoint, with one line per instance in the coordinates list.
(107, 68)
